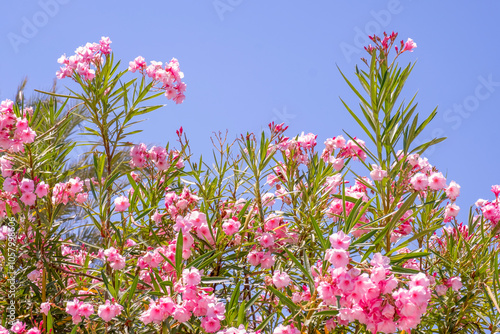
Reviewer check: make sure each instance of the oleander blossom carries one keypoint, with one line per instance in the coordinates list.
(109, 310)
(85, 60)
(78, 310)
(14, 134)
(377, 173)
(281, 279)
(114, 258)
(45, 308)
(121, 203)
(18, 327)
(362, 293)
(166, 77)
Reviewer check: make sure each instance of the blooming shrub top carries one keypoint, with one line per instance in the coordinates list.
(280, 237)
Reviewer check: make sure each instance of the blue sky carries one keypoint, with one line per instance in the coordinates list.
(247, 63)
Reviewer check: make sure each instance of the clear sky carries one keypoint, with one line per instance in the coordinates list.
(248, 62)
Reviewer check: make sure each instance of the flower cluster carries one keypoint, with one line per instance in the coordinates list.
(69, 191)
(78, 309)
(193, 300)
(18, 189)
(491, 209)
(85, 57)
(384, 45)
(156, 156)
(19, 328)
(168, 76)
(371, 297)
(14, 131)
(109, 310)
(298, 148)
(114, 258)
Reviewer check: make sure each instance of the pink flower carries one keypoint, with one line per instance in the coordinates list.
(453, 191)
(216, 310)
(181, 314)
(451, 210)
(455, 283)
(441, 290)
(267, 261)
(268, 199)
(85, 310)
(338, 142)
(10, 185)
(28, 199)
(267, 240)
(337, 163)
(118, 262)
(380, 260)
(82, 197)
(182, 224)
(27, 136)
(281, 279)
(156, 217)
(6, 166)
(104, 45)
(340, 240)
(337, 257)
(491, 212)
(26, 185)
(18, 327)
(130, 243)
(137, 64)
(34, 331)
(496, 190)
(286, 330)
(109, 311)
(377, 173)
(307, 141)
(115, 260)
(42, 189)
(3, 330)
(419, 280)
(231, 226)
(210, 325)
(419, 181)
(437, 181)
(254, 258)
(45, 308)
(121, 204)
(191, 277)
(34, 275)
(386, 326)
(410, 45)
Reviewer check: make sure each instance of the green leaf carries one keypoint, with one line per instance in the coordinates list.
(264, 323)
(241, 313)
(215, 280)
(234, 297)
(319, 233)
(50, 321)
(109, 287)
(74, 329)
(132, 289)
(329, 313)
(301, 268)
(401, 270)
(178, 254)
(252, 301)
(284, 299)
(406, 256)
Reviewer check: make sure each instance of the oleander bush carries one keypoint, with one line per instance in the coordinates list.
(272, 234)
